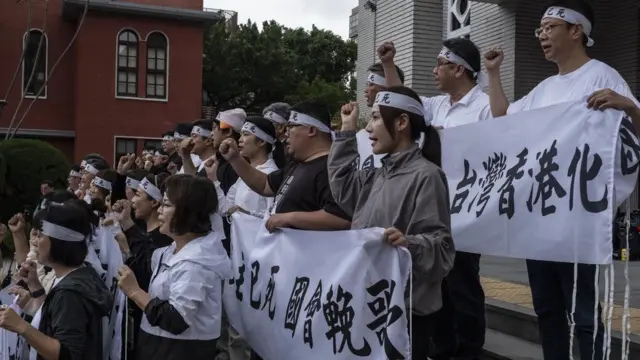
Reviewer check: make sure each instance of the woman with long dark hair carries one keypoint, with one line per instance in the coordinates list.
(408, 196)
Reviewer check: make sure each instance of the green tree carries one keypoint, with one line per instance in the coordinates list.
(254, 68)
(28, 163)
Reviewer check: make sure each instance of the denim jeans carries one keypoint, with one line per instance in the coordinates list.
(552, 291)
(461, 322)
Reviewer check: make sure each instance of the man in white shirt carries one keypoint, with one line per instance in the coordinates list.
(564, 34)
(461, 321)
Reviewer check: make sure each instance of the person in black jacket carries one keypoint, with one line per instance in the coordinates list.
(68, 324)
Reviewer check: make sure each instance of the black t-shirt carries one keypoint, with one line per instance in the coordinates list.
(304, 186)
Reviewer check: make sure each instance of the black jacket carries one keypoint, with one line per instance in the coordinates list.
(72, 313)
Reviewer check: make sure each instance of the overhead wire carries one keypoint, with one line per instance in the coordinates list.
(22, 55)
(54, 67)
(43, 35)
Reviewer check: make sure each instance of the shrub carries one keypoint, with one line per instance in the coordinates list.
(26, 164)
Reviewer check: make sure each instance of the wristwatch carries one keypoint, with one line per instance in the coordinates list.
(36, 294)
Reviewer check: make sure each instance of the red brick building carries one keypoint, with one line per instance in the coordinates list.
(134, 70)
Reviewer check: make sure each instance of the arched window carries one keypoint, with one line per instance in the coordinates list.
(31, 42)
(157, 61)
(128, 63)
(459, 19)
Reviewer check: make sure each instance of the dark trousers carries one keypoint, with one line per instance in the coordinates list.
(422, 328)
(552, 289)
(461, 322)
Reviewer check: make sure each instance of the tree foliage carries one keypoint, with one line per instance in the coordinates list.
(253, 68)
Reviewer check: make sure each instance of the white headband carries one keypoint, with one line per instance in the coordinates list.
(236, 121)
(572, 17)
(252, 128)
(201, 131)
(399, 101)
(270, 115)
(167, 138)
(178, 136)
(297, 118)
(83, 163)
(132, 183)
(100, 182)
(447, 54)
(61, 232)
(74, 173)
(91, 169)
(150, 189)
(376, 79)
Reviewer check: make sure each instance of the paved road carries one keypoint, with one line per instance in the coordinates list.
(514, 270)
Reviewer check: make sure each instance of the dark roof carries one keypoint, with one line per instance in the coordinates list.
(72, 9)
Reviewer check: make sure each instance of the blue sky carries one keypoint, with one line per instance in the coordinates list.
(326, 14)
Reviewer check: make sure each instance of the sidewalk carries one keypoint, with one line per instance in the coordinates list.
(518, 294)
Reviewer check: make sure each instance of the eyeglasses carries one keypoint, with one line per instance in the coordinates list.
(547, 29)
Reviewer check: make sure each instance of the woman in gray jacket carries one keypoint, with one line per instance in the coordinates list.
(407, 196)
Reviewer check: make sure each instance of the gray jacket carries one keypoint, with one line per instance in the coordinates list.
(409, 193)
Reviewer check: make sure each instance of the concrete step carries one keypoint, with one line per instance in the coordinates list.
(506, 319)
(500, 346)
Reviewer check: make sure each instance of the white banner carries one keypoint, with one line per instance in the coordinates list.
(317, 295)
(12, 346)
(542, 184)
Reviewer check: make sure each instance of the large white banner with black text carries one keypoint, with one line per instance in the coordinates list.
(317, 295)
(542, 184)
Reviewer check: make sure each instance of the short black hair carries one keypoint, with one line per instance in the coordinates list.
(63, 252)
(581, 6)
(205, 124)
(377, 68)
(94, 156)
(98, 163)
(184, 128)
(76, 168)
(167, 133)
(315, 109)
(49, 183)
(137, 174)
(195, 200)
(468, 51)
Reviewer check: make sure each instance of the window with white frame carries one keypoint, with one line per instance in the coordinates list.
(459, 19)
(127, 81)
(157, 51)
(125, 146)
(34, 66)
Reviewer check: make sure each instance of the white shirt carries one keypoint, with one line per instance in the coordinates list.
(473, 107)
(241, 195)
(592, 76)
(574, 86)
(195, 159)
(191, 280)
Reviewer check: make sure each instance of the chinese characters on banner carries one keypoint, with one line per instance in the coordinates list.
(317, 295)
(542, 184)
(12, 346)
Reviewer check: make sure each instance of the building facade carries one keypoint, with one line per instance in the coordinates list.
(133, 71)
(417, 28)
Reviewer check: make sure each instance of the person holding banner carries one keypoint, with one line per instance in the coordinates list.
(183, 306)
(564, 34)
(410, 176)
(68, 324)
(303, 198)
(461, 322)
